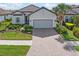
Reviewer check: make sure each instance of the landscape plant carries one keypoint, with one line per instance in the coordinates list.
(69, 25)
(27, 28)
(76, 32)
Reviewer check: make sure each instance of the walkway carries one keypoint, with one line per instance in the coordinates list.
(45, 43)
(15, 42)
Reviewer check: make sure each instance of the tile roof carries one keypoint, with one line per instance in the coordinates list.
(29, 8)
(73, 11)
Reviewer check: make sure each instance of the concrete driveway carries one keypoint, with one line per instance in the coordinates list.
(45, 43)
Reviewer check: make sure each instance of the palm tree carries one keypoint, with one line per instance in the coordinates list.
(60, 10)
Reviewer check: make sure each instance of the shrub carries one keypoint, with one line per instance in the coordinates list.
(57, 28)
(67, 36)
(15, 26)
(69, 25)
(27, 28)
(76, 31)
(77, 34)
(64, 30)
(8, 19)
(61, 29)
(10, 27)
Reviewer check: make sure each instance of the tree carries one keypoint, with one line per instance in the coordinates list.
(60, 10)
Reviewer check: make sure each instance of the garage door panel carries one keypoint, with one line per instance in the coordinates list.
(42, 23)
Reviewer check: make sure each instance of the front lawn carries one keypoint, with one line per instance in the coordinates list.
(11, 50)
(11, 35)
(4, 24)
(76, 48)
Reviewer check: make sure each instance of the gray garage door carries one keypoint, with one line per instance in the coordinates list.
(42, 23)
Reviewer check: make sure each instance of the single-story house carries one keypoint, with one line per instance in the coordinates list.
(35, 16)
(31, 15)
(42, 18)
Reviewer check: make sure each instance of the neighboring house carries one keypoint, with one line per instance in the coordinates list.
(70, 13)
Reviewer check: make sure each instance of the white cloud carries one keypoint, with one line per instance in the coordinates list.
(3, 5)
(21, 5)
(49, 5)
(10, 5)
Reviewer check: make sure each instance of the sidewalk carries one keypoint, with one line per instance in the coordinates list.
(15, 42)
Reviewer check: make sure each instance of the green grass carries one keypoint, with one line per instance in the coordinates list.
(76, 48)
(15, 36)
(4, 24)
(11, 50)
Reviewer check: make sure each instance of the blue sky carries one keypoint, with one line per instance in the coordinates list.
(21, 5)
(15, 6)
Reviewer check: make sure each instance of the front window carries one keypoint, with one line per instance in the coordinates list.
(17, 20)
(66, 18)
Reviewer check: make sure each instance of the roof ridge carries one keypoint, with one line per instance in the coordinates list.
(42, 8)
(28, 6)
